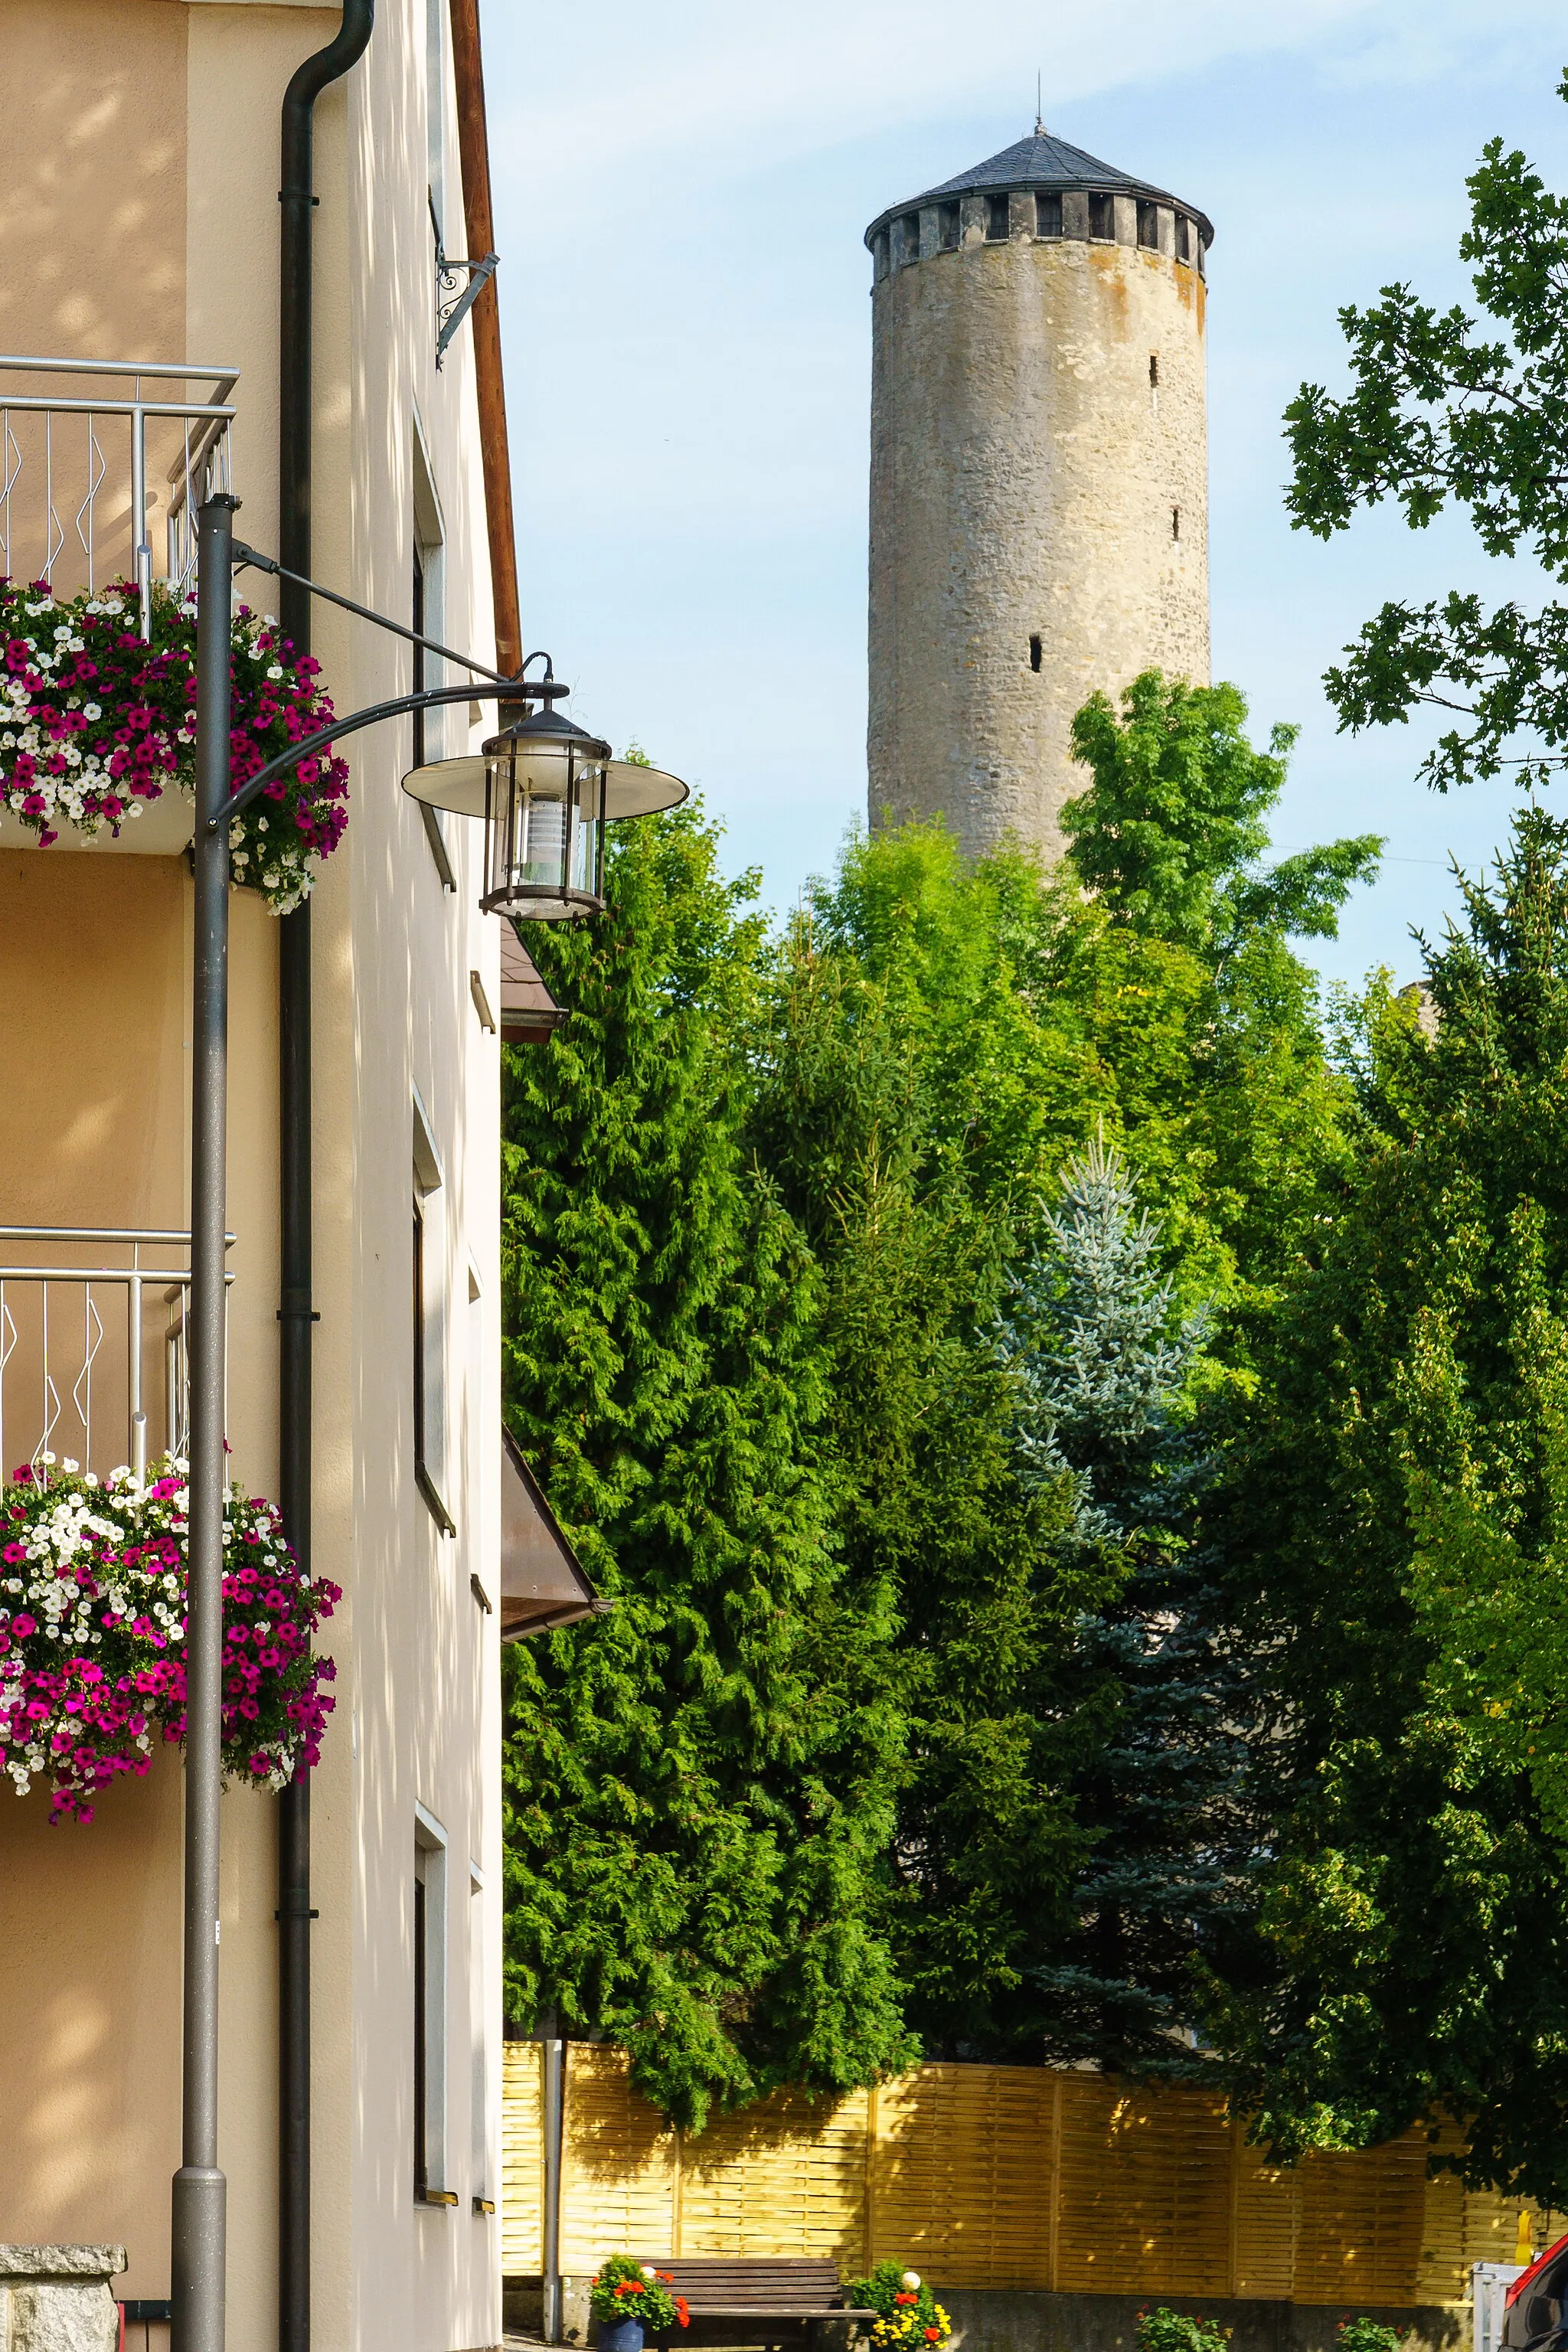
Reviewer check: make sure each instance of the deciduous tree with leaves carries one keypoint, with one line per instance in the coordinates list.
(1394, 1518)
(1447, 409)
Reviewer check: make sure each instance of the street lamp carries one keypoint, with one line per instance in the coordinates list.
(545, 789)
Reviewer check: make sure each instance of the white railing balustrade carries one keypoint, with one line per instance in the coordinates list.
(93, 1365)
(95, 454)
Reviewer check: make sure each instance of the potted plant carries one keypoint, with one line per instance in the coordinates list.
(92, 1631)
(909, 2317)
(98, 722)
(632, 2301)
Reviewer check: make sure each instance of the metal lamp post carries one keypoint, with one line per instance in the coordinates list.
(198, 2232)
(544, 863)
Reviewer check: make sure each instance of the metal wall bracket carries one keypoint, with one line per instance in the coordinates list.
(452, 311)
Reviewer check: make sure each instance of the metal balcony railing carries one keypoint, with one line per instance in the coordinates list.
(92, 1345)
(95, 454)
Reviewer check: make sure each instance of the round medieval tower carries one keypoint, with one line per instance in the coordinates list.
(1039, 479)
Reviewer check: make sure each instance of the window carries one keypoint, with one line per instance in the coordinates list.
(427, 616)
(1175, 523)
(430, 1322)
(480, 2088)
(430, 2010)
(1153, 371)
(1048, 212)
(996, 219)
(1035, 653)
(909, 235)
(947, 228)
(1149, 226)
(1184, 238)
(435, 113)
(1102, 217)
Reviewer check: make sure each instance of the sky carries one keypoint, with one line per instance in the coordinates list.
(680, 194)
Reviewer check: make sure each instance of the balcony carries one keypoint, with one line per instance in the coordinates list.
(103, 467)
(92, 1345)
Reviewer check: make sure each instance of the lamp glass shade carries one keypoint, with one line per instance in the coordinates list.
(545, 816)
(545, 789)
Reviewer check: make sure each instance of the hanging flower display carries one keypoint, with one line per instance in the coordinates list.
(97, 722)
(92, 1631)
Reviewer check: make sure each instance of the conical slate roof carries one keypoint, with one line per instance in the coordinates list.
(1043, 161)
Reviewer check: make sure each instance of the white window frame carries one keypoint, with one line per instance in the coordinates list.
(428, 670)
(430, 1871)
(435, 110)
(480, 2090)
(432, 1318)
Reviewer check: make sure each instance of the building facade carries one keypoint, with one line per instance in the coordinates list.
(1039, 484)
(142, 218)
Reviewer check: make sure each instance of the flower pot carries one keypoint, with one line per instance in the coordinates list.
(620, 2335)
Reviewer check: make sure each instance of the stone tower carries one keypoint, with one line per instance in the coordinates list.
(1039, 479)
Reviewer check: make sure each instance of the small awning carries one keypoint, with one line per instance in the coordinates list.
(542, 1583)
(527, 1011)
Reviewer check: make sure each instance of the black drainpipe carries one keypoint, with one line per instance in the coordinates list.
(294, 1312)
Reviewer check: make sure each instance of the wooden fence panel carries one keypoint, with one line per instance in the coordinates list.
(999, 2176)
(522, 2160)
(618, 2171)
(1360, 2229)
(1145, 2197)
(1266, 2212)
(963, 2173)
(785, 2177)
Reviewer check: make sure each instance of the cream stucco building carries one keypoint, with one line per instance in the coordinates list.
(140, 203)
(1040, 482)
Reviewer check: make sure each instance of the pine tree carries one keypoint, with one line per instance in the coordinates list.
(1107, 1366)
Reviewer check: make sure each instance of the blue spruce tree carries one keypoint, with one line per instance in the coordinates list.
(1106, 1364)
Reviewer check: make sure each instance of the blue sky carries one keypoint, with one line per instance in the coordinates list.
(681, 192)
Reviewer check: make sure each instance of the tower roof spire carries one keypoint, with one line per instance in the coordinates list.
(1042, 161)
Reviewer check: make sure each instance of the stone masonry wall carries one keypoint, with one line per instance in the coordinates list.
(1028, 479)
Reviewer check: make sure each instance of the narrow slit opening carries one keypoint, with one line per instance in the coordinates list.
(1175, 523)
(1034, 652)
(1153, 371)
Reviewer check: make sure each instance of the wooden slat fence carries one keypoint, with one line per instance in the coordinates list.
(997, 2175)
(522, 2160)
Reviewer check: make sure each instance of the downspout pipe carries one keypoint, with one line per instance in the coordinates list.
(296, 200)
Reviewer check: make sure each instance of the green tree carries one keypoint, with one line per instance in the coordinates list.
(826, 1776)
(700, 1783)
(1180, 969)
(1171, 828)
(909, 1107)
(1107, 1364)
(1447, 409)
(1393, 1522)
(946, 1036)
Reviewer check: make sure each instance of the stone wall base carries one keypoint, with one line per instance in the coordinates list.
(57, 2298)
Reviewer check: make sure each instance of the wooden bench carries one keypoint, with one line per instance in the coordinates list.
(767, 2299)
